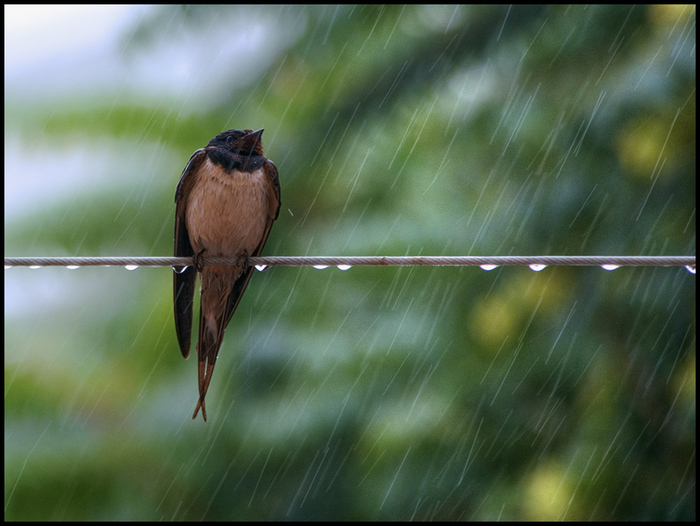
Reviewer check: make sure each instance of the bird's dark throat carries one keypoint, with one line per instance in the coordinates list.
(230, 161)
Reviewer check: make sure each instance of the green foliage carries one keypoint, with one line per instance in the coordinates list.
(376, 393)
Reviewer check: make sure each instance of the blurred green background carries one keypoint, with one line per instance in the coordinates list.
(374, 393)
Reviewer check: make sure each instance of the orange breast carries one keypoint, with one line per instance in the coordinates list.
(227, 213)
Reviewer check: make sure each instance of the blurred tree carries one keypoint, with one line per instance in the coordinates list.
(381, 393)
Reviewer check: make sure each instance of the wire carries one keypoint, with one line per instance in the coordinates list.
(371, 261)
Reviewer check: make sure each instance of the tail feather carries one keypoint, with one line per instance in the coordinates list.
(211, 336)
(205, 372)
(217, 286)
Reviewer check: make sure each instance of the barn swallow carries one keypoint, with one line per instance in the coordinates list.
(225, 203)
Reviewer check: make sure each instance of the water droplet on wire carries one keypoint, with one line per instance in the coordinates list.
(35, 266)
(537, 267)
(131, 267)
(260, 267)
(344, 267)
(320, 267)
(609, 267)
(690, 268)
(488, 267)
(72, 267)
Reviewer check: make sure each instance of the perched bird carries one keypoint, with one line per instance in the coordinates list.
(225, 203)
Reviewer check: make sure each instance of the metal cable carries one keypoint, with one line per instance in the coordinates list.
(350, 261)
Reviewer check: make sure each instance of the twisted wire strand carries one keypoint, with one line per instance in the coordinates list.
(372, 261)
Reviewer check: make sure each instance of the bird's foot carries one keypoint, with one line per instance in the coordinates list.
(198, 260)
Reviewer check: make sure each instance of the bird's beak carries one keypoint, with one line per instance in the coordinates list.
(254, 137)
(250, 143)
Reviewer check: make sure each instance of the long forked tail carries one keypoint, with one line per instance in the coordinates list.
(211, 336)
(205, 372)
(222, 288)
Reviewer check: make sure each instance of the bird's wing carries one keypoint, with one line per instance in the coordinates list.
(185, 277)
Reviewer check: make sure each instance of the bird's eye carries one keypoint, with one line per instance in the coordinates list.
(230, 140)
